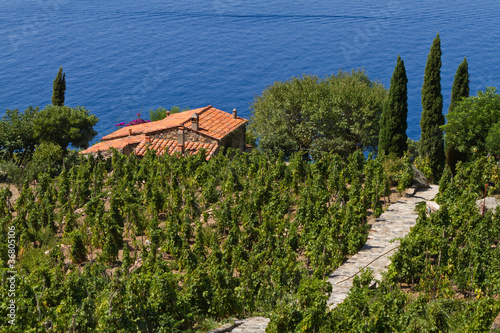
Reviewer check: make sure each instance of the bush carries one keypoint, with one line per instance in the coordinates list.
(493, 139)
(424, 165)
(48, 158)
(472, 121)
(161, 112)
(78, 249)
(12, 172)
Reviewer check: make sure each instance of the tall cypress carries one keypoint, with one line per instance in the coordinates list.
(392, 137)
(58, 88)
(431, 139)
(459, 90)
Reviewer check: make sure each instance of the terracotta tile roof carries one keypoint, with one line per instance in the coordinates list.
(117, 144)
(212, 122)
(170, 147)
(216, 123)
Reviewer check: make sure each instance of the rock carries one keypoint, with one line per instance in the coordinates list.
(419, 182)
(432, 207)
(496, 324)
(419, 179)
(490, 203)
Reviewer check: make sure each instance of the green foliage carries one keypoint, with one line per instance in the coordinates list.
(460, 88)
(161, 112)
(78, 249)
(459, 91)
(405, 174)
(203, 241)
(424, 165)
(250, 139)
(452, 249)
(48, 158)
(339, 114)
(392, 137)
(399, 171)
(16, 134)
(13, 173)
(493, 139)
(412, 149)
(63, 125)
(445, 181)
(431, 139)
(59, 88)
(472, 118)
(305, 314)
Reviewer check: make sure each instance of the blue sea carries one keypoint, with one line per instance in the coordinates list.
(122, 57)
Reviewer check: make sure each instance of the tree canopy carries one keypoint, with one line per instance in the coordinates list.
(460, 87)
(338, 113)
(16, 133)
(471, 121)
(393, 138)
(161, 112)
(459, 90)
(59, 88)
(431, 139)
(64, 125)
(493, 139)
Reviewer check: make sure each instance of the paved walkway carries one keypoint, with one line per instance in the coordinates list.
(395, 222)
(249, 325)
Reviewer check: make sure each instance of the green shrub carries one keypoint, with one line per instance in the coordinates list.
(424, 165)
(78, 249)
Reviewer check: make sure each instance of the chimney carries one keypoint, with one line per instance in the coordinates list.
(168, 113)
(148, 140)
(129, 132)
(180, 139)
(235, 114)
(195, 121)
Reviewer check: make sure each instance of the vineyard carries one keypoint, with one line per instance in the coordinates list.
(166, 244)
(445, 276)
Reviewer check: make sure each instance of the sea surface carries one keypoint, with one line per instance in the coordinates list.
(122, 57)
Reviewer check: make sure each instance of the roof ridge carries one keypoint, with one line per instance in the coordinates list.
(205, 109)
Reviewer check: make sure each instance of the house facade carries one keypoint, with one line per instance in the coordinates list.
(185, 133)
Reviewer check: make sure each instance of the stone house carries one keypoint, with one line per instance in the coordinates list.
(185, 133)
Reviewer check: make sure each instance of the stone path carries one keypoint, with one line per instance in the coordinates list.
(395, 222)
(249, 325)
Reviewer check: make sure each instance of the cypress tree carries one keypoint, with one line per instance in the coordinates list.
(459, 90)
(392, 137)
(58, 88)
(431, 139)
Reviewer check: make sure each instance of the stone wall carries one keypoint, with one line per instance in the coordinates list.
(235, 139)
(129, 149)
(166, 135)
(189, 136)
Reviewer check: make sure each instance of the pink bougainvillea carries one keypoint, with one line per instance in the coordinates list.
(137, 121)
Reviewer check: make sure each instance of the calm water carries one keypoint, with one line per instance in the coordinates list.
(124, 56)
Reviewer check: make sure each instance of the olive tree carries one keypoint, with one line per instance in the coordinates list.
(338, 113)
